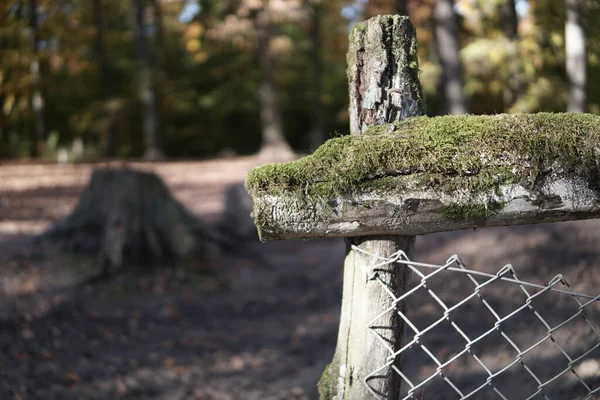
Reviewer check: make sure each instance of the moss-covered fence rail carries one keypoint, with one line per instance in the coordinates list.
(400, 174)
(429, 175)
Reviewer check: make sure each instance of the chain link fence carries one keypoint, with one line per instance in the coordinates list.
(471, 334)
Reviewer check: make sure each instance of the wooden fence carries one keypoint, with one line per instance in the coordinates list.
(400, 174)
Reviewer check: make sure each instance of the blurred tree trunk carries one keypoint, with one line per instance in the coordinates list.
(147, 91)
(164, 67)
(37, 97)
(402, 7)
(576, 57)
(317, 134)
(3, 72)
(513, 85)
(2, 119)
(3, 135)
(105, 79)
(273, 138)
(511, 19)
(448, 46)
(161, 54)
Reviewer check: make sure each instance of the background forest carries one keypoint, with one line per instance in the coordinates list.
(199, 78)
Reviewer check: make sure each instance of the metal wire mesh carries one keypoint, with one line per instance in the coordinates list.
(464, 340)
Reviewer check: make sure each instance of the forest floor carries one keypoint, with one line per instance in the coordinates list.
(258, 331)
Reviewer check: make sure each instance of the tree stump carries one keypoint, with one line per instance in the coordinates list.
(131, 219)
(236, 220)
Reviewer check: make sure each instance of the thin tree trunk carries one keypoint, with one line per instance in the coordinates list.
(147, 92)
(37, 97)
(164, 66)
(402, 7)
(273, 138)
(576, 57)
(3, 137)
(317, 135)
(513, 85)
(162, 58)
(105, 79)
(448, 47)
(511, 19)
(2, 119)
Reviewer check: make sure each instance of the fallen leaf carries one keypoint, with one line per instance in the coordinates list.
(27, 334)
(46, 355)
(73, 377)
(169, 362)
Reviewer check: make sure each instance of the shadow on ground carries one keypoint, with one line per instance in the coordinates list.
(261, 334)
(254, 331)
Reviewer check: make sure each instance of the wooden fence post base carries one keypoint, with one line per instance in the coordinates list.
(359, 351)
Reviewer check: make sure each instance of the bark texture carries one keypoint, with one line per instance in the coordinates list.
(383, 73)
(576, 57)
(131, 219)
(452, 84)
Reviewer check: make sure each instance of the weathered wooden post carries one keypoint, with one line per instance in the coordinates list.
(393, 179)
(384, 87)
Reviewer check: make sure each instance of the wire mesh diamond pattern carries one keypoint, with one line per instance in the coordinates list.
(530, 342)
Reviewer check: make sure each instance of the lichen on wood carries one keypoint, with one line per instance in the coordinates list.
(383, 81)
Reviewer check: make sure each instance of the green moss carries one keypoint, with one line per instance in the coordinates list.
(457, 212)
(357, 32)
(474, 153)
(388, 183)
(324, 384)
(360, 27)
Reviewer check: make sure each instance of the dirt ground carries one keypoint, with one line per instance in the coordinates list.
(259, 331)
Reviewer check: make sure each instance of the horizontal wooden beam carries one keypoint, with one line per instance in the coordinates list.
(426, 175)
(420, 212)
